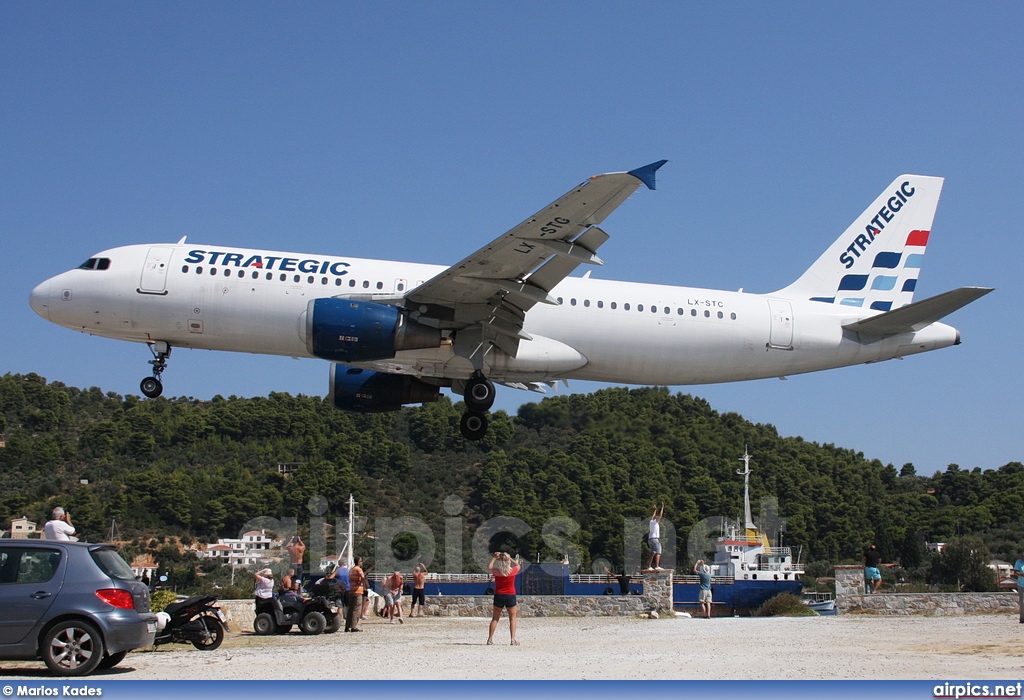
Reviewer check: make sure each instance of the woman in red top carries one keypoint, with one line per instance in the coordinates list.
(504, 570)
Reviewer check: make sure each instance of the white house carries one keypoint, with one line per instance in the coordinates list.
(250, 549)
(22, 529)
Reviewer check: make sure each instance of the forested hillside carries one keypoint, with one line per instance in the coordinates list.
(204, 468)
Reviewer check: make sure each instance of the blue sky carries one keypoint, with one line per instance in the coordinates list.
(421, 131)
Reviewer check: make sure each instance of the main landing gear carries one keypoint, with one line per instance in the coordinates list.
(479, 397)
(152, 386)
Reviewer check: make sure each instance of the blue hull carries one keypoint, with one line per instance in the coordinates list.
(732, 598)
(738, 597)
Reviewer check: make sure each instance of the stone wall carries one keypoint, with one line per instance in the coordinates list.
(851, 597)
(657, 597)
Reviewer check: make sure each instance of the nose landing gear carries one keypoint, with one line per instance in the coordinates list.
(152, 386)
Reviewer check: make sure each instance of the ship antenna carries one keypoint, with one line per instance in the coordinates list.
(749, 524)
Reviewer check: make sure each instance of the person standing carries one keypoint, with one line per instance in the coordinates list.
(354, 596)
(59, 526)
(703, 572)
(504, 571)
(393, 596)
(419, 588)
(1018, 569)
(872, 574)
(654, 538)
(296, 549)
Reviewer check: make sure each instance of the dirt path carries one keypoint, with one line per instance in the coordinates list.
(845, 647)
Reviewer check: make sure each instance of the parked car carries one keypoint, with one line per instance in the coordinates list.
(75, 605)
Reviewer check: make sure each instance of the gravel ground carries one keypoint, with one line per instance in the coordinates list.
(842, 647)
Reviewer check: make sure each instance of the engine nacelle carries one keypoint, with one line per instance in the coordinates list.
(348, 330)
(366, 391)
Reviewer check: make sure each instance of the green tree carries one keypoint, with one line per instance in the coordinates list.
(963, 563)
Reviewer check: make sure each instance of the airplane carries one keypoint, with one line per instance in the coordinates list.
(395, 333)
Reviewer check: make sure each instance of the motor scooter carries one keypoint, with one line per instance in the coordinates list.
(196, 621)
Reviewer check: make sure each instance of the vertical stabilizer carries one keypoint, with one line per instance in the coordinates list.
(876, 262)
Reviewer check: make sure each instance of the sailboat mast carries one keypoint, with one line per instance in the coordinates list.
(350, 562)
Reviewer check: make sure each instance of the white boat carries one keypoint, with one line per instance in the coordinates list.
(821, 603)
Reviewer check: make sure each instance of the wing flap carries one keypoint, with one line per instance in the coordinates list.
(555, 231)
(920, 314)
(561, 266)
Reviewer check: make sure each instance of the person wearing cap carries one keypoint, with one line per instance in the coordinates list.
(264, 584)
(703, 572)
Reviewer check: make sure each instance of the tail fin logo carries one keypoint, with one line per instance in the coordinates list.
(874, 227)
(875, 263)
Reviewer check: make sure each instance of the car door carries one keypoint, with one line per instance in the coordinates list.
(30, 578)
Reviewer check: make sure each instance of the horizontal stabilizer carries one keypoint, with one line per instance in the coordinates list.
(918, 315)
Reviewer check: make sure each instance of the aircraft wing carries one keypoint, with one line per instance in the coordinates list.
(494, 287)
(914, 317)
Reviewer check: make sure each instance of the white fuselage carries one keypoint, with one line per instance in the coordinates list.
(603, 330)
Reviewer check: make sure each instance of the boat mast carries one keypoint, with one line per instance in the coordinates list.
(351, 534)
(749, 519)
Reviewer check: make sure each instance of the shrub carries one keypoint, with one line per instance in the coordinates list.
(161, 599)
(784, 604)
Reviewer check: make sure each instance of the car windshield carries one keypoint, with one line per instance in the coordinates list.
(112, 564)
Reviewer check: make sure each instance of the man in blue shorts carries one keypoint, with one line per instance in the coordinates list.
(872, 574)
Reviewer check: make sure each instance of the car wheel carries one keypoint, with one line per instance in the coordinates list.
(214, 634)
(334, 624)
(313, 623)
(111, 660)
(264, 624)
(72, 648)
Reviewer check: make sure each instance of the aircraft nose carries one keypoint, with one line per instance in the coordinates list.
(39, 300)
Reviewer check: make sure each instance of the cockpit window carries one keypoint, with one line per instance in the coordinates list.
(95, 264)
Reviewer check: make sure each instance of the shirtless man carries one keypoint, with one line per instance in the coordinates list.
(296, 549)
(393, 596)
(419, 587)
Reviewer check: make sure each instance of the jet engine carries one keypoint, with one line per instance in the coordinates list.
(349, 330)
(366, 391)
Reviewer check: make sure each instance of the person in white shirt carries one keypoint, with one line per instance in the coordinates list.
(654, 538)
(264, 584)
(59, 527)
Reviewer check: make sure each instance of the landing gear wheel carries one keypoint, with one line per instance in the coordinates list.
(479, 394)
(151, 387)
(473, 425)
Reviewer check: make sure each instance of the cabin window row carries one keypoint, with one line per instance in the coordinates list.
(283, 277)
(653, 308)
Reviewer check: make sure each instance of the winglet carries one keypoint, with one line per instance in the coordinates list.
(646, 173)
